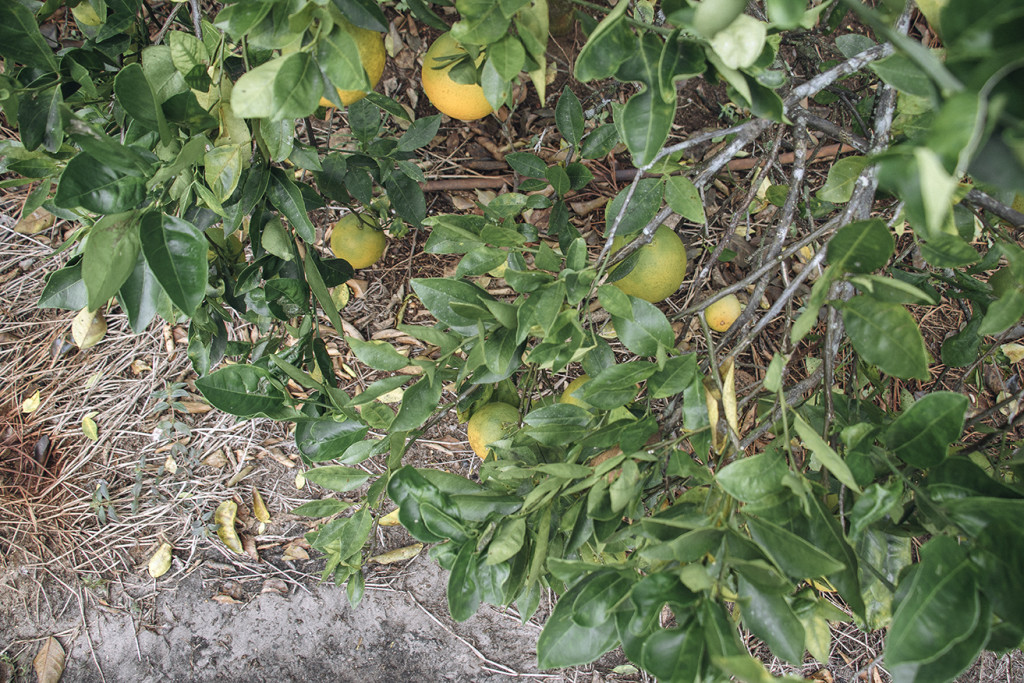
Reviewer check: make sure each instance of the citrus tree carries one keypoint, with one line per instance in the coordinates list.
(759, 466)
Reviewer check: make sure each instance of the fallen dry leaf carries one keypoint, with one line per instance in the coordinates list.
(249, 545)
(275, 586)
(88, 328)
(32, 403)
(224, 517)
(225, 600)
(35, 222)
(293, 551)
(160, 563)
(49, 662)
(216, 459)
(196, 407)
(398, 555)
(259, 508)
(239, 476)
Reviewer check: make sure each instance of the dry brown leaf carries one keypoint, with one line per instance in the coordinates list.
(275, 586)
(49, 663)
(34, 223)
(196, 407)
(225, 600)
(216, 459)
(358, 287)
(398, 555)
(138, 367)
(293, 551)
(160, 563)
(249, 545)
(239, 476)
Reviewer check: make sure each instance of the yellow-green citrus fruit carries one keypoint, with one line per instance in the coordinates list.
(567, 395)
(357, 239)
(489, 424)
(721, 314)
(457, 100)
(371, 54)
(659, 269)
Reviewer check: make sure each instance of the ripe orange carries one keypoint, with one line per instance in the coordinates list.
(660, 268)
(457, 100)
(723, 313)
(357, 239)
(371, 54)
(489, 424)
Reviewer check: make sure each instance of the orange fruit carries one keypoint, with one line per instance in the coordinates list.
(371, 54)
(457, 100)
(659, 269)
(489, 424)
(723, 313)
(358, 239)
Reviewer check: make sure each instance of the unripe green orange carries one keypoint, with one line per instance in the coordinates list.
(357, 239)
(489, 424)
(659, 269)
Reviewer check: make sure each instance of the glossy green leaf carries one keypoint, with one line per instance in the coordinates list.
(21, 40)
(245, 391)
(284, 88)
(507, 56)
(321, 508)
(64, 289)
(141, 297)
(615, 386)
(842, 178)
(109, 256)
(557, 424)
(407, 198)
(771, 619)
(223, 169)
(564, 643)
(418, 402)
(1003, 312)
(40, 121)
(527, 164)
(338, 56)
(682, 195)
(922, 434)
(95, 187)
(796, 556)
(323, 439)
(643, 206)
(377, 354)
(647, 332)
(825, 454)
(861, 247)
(419, 134)
(437, 294)
(464, 593)
(337, 477)
(886, 335)
(137, 97)
(507, 541)
(940, 608)
(569, 117)
(176, 253)
(286, 198)
(610, 44)
(751, 479)
(644, 124)
(948, 251)
(600, 141)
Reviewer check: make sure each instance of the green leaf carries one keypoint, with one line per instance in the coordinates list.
(887, 555)
(437, 294)
(286, 198)
(647, 332)
(464, 592)
(922, 434)
(569, 117)
(786, 13)
(482, 22)
(526, 164)
(861, 247)
(771, 619)
(95, 187)
(64, 289)
(223, 169)
(238, 19)
(338, 56)
(40, 121)
(610, 44)
(751, 479)
(948, 251)
(644, 124)
(407, 198)
(321, 508)
(615, 386)
(682, 195)
(795, 555)
(842, 178)
(886, 335)
(564, 643)
(418, 403)
(940, 609)
(324, 439)
(284, 88)
(110, 253)
(557, 424)
(599, 142)
(245, 391)
(419, 133)
(379, 355)
(176, 253)
(903, 74)
(21, 40)
(338, 478)
(507, 541)
(715, 15)
(507, 57)
(363, 13)
(615, 301)
(1003, 312)
(891, 290)
(825, 454)
(137, 98)
(643, 206)
(141, 297)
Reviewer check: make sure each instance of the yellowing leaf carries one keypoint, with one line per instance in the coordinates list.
(171, 465)
(729, 394)
(88, 328)
(390, 519)
(34, 223)
(49, 663)
(1015, 352)
(300, 480)
(31, 404)
(398, 555)
(160, 563)
(393, 396)
(89, 428)
(259, 508)
(224, 517)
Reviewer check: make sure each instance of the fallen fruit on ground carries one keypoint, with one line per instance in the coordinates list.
(371, 54)
(357, 239)
(659, 269)
(489, 424)
(721, 314)
(568, 397)
(462, 101)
